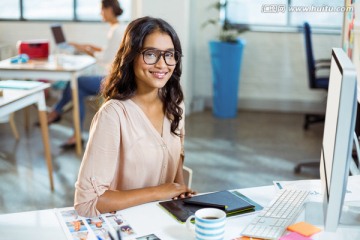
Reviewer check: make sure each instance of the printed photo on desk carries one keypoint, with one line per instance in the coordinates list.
(80, 228)
(148, 237)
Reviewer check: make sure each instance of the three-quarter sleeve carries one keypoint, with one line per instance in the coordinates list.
(100, 161)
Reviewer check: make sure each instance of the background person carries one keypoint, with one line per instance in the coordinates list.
(135, 151)
(90, 84)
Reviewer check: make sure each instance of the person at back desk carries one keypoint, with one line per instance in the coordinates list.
(90, 84)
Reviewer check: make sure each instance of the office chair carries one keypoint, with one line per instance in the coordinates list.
(314, 80)
(187, 173)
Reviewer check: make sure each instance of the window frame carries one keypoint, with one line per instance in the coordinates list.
(282, 28)
(75, 17)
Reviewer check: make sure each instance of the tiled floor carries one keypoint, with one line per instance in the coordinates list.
(251, 150)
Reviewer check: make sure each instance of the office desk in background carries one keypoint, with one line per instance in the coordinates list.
(145, 219)
(15, 99)
(62, 67)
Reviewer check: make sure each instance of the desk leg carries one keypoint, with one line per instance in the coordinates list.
(45, 137)
(76, 114)
(27, 118)
(13, 126)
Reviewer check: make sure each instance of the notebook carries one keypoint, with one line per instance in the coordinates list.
(235, 204)
(19, 84)
(59, 38)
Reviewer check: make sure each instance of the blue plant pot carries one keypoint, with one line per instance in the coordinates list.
(226, 64)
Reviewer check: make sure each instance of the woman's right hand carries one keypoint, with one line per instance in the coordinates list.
(172, 190)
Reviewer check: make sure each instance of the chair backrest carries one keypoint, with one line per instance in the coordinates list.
(187, 174)
(309, 55)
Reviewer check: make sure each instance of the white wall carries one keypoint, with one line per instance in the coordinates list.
(274, 70)
(273, 73)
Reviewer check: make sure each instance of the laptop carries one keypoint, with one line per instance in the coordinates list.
(60, 40)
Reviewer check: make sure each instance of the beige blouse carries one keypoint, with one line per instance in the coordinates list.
(125, 151)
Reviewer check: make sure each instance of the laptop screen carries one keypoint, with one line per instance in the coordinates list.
(58, 34)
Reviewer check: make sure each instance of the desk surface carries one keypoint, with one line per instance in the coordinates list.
(16, 99)
(145, 219)
(64, 67)
(12, 95)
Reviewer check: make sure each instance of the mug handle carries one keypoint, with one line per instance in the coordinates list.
(189, 225)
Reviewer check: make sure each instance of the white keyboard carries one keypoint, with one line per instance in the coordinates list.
(272, 221)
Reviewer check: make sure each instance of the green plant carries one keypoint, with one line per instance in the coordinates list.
(227, 32)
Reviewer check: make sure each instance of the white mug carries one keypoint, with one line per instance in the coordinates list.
(209, 224)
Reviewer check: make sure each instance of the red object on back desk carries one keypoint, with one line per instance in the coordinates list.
(34, 48)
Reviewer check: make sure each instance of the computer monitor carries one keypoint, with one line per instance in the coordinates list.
(62, 46)
(336, 151)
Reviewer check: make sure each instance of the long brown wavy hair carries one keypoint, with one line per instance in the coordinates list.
(121, 85)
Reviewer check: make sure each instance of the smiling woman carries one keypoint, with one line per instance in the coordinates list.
(152, 56)
(155, 67)
(135, 151)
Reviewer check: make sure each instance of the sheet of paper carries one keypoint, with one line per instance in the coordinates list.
(77, 227)
(19, 84)
(314, 185)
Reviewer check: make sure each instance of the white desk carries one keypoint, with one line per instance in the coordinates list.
(145, 219)
(69, 70)
(14, 100)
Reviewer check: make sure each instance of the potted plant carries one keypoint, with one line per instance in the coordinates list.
(226, 54)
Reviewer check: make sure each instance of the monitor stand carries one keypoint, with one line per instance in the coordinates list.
(314, 213)
(350, 215)
(354, 165)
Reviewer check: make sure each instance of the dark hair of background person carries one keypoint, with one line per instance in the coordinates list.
(120, 84)
(114, 4)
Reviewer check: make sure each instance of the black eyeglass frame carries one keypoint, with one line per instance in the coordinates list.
(162, 54)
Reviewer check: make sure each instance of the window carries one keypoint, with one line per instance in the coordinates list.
(322, 14)
(9, 9)
(90, 10)
(67, 10)
(45, 9)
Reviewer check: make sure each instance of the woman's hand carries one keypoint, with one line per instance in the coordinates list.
(186, 194)
(174, 191)
(86, 48)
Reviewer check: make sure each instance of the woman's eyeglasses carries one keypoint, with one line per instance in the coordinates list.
(152, 56)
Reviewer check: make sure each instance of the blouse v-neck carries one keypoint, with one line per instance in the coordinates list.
(147, 120)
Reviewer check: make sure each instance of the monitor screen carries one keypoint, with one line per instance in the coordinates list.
(58, 33)
(338, 136)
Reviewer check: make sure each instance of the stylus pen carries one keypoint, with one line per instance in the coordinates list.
(223, 207)
(111, 236)
(118, 234)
